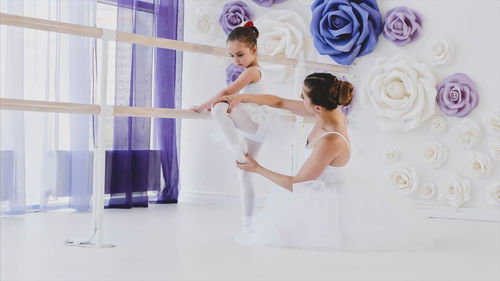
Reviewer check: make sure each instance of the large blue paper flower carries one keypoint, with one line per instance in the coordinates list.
(345, 29)
(268, 3)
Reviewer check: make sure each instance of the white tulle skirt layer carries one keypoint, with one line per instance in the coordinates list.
(333, 216)
(273, 124)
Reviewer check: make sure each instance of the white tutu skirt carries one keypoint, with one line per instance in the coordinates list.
(323, 215)
(275, 125)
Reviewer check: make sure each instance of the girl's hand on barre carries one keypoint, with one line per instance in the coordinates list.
(251, 166)
(199, 108)
(233, 100)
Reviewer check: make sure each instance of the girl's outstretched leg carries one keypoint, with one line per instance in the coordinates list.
(228, 128)
(228, 124)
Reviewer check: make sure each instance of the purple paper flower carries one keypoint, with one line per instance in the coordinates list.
(232, 73)
(457, 95)
(402, 25)
(233, 14)
(345, 29)
(268, 3)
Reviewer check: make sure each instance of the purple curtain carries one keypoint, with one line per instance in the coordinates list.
(133, 167)
(167, 66)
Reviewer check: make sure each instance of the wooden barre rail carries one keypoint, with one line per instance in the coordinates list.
(92, 109)
(93, 32)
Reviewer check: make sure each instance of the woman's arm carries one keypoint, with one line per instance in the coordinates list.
(249, 75)
(294, 106)
(324, 152)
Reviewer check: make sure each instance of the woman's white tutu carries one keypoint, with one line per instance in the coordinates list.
(328, 214)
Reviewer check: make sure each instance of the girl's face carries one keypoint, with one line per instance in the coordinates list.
(242, 55)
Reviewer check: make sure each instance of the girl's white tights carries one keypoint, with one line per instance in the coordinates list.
(228, 124)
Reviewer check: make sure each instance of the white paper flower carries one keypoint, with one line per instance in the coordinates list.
(493, 194)
(468, 133)
(427, 190)
(403, 178)
(204, 24)
(284, 33)
(401, 91)
(455, 190)
(434, 153)
(392, 155)
(438, 124)
(440, 52)
(492, 123)
(494, 149)
(480, 164)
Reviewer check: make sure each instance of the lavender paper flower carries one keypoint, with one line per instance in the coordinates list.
(345, 29)
(232, 73)
(402, 25)
(457, 95)
(268, 3)
(233, 14)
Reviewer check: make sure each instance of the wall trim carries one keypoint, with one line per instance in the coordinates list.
(479, 214)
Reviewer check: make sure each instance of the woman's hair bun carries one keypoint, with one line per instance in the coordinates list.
(328, 91)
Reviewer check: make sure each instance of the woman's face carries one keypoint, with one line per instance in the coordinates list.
(307, 101)
(242, 55)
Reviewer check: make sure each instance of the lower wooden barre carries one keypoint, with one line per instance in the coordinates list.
(130, 111)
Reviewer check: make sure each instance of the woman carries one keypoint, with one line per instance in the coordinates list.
(317, 209)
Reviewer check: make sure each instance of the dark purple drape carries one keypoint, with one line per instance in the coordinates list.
(133, 169)
(166, 26)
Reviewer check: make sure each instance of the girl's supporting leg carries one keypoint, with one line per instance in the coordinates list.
(247, 188)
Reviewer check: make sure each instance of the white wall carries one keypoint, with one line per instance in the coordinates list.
(207, 170)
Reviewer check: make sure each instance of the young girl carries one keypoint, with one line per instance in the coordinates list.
(245, 119)
(317, 208)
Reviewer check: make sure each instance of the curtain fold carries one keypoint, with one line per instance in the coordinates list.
(46, 158)
(12, 141)
(135, 165)
(169, 17)
(51, 153)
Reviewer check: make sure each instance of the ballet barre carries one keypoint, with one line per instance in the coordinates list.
(100, 33)
(124, 111)
(101, 110)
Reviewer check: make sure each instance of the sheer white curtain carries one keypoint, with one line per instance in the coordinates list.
(46, 158)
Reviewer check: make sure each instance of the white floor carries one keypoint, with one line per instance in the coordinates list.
(195, 242)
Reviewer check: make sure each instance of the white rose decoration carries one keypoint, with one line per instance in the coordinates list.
(284, 33)
(434, 153)
(204, 24)
(440, 52)
(392, 155)
(480, 164)
(456, 191)
(492, 123)
(427, 191)
(403, 178)
(438, 124)
(468, 133)
(401, 91)
(494, 149)
(493, 194)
